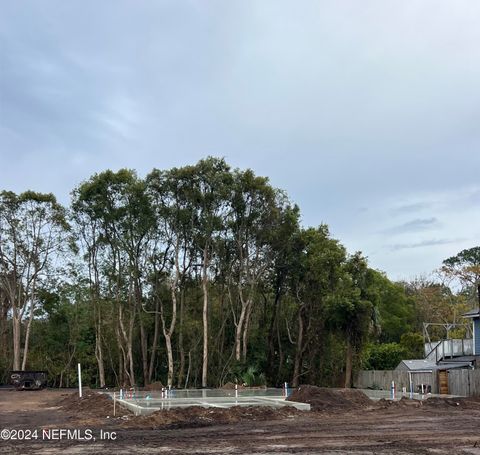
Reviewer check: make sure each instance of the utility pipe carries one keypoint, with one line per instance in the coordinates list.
(79, 381)
(392, 391)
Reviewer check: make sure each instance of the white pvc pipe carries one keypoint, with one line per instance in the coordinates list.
(79, 381)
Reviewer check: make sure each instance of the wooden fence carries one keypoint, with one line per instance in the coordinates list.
(376, 379)
(464, 382)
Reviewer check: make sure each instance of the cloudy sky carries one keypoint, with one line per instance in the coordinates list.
(365, 112)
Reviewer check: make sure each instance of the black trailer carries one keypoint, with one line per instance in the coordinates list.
(28, 380)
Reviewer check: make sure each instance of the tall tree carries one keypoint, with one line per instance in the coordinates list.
(315, 280)
(395, 308)
(252, 218)
(465, 266)
(170, 192)
(353, 309)
(211, 184)
(5, 307)
(120, 219)
(284, 240)
(33, 232)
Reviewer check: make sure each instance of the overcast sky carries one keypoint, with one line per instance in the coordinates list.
(365, 112)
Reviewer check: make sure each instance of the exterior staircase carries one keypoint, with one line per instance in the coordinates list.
(448, 350)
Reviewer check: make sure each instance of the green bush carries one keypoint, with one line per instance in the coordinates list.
(413, 344)
(384, 356)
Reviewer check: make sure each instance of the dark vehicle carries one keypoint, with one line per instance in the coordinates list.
(28, 380)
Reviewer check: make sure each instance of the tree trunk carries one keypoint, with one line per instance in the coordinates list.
(205, 317)
(168, 343)
(154, 343)
(299, 350)
(98, 343)
(133, 382)
(348, 364)
(143, 342)
(272, 335)
(26, 342)
(17, 328)
(239, 330)
(121, 369)
(29, 325)
(281, 355)
(127, 338)
(3, 326)
(130, 362)
(143, 337)
(99, 354)
(246, 325)
(189, 367)
(122, 353)
(169, 333)
(181, 350)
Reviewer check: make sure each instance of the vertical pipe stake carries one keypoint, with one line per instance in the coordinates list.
(79, 381)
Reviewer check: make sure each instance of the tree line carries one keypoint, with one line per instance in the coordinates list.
(198, 276)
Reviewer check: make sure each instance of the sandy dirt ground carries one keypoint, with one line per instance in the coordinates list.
(441, 427)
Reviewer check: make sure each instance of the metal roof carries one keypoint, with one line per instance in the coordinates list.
(418, 364)
(429, 365)
(475, 313)
(452, 365)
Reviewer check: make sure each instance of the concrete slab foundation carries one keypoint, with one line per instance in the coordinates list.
(145, 403)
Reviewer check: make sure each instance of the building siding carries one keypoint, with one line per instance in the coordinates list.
(476, 336)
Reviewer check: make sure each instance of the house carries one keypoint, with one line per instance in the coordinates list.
(444, 355)
(474, 315)
(428, 375)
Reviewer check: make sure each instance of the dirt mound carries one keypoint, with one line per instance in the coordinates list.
(439, 402)
(197, 416)
(404, 402)
(92, 404)
(154, 386)
(431, 403)
(231, 386)
(323, 398)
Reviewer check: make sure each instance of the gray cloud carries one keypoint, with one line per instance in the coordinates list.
(410, 208)
(422, 244)
(342, 104)
(418, 224)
